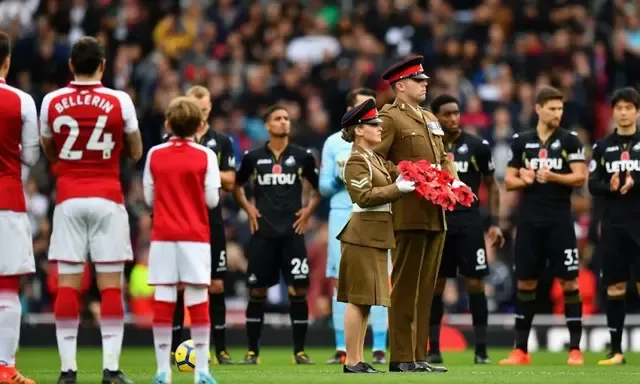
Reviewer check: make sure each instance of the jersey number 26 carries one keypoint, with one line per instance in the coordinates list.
(95, 143)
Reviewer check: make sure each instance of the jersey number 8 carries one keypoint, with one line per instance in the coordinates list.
(94, 144)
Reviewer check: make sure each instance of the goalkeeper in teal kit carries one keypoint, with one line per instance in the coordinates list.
(334, 155)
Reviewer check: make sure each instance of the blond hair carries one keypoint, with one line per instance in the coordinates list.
(198, 92)
(183, 116)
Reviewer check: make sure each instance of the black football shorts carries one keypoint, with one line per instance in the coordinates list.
(464, 253)
(269, 257)
(545, 246)
(620, 247)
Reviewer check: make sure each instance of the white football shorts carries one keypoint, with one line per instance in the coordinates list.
(90, 227)
(175, 262)
(16, 244)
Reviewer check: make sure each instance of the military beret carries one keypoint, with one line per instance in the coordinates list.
(409, 68)
(365, 113)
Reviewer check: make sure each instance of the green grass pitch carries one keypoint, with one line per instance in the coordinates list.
(139, 364)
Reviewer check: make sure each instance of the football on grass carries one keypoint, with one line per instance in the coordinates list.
(185, 356)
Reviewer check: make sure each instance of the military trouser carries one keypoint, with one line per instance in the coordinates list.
(416, 261)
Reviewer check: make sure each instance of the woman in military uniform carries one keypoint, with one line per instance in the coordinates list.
(368, 235)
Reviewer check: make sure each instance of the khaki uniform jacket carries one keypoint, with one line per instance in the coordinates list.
(368, 179)
(414, 135)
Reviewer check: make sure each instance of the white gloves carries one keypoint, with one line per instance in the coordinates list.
(457, 184)
(405, 186)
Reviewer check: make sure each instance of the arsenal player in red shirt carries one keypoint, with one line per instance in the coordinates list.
(83, 129)
(18, 145)
(181, 182)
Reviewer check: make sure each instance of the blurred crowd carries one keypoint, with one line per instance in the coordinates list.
(308, 54)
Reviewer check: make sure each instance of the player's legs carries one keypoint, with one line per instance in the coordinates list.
(617, 251)
(164, 303)
(177, 330)
(262, 272)
(448, 269)
(295, 269)
(528, 263)
(563, 251)
(337, 221)
(217, 305)
(16, 260)
(110, 249)
(472, 259)
(379, 319)
(69, 247)
(194, 269)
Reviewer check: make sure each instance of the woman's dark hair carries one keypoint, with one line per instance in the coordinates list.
(349, 133)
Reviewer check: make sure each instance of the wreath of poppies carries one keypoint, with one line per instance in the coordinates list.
(436, 185)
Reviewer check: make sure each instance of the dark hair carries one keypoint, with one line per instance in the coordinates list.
(86, 56)
(184, 116)
(441, 100)
(273, 108)
(351, 97)
(628, 94)
(5, 46)
(349, 133)
(546, 94)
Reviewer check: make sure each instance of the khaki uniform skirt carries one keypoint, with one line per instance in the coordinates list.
(363, 278)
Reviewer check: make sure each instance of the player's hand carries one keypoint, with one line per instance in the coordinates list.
(302, 220)
(495, 236)
(628, 184)
(253, 214)
(528, 175)
(614, 183)
(544, 175)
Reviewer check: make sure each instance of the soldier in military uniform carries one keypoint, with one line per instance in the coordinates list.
(412, 133)
(368, 235)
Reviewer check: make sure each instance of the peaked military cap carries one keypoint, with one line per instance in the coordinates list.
(409, 68)
(365, 113)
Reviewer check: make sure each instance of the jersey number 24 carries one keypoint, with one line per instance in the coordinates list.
(95, 143)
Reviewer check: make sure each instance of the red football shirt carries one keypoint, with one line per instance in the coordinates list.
(18, 144)
(88, 122)
(181, 181)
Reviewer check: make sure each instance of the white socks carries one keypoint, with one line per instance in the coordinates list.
(162, 344)
(10, 312)
(201, 337)
(67, 335)
(112, 333)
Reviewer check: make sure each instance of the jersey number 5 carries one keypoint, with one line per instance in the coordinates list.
(94, 144)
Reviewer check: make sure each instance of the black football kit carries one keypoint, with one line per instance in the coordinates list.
(545, 238)
(545, 225)
(620, 224)
(464, 246)
(275, 248)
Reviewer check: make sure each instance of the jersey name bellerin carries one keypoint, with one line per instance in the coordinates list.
(82, 100)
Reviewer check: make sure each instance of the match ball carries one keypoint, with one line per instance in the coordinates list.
(185, 356)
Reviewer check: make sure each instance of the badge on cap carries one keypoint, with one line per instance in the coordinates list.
(435, 128)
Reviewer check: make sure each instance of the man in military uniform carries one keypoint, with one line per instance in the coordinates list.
(464, 250)
(222, 145)
(411, 133)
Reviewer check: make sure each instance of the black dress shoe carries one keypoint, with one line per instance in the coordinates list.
(431, 368)
(406, 367)
(371, 368)
(359, 368)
